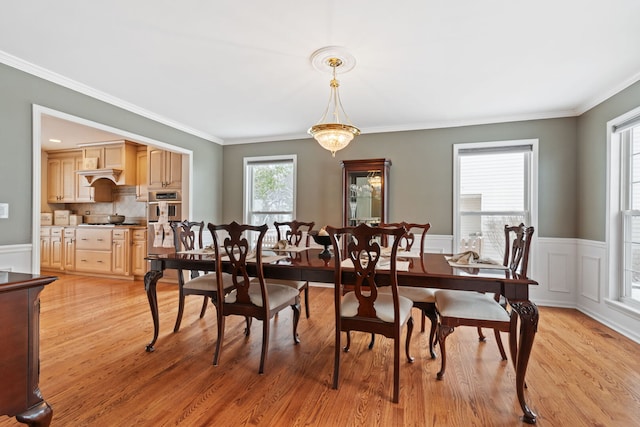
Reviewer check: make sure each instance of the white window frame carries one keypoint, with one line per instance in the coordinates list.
(531, 184)
(616, 200)
(247, 180)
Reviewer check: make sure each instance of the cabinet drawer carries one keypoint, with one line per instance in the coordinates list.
(56, 232)
(93, 239)
(139, 234)
(119, 234)
(97, 261)
(45, 231)
(69, 233)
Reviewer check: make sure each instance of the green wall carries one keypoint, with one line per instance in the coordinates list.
(421, 178)
(592, 161)
(20, 90)
(571, 182)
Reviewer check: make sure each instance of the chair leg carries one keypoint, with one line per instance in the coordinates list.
(265, 343)
(176, 327)
(481, 336)
(306, 299)
(216, 356)
(430, 312)
(423, 322)
(336, 359)
(296, 318)
(408, 339)
(443, 332)
(203, 310)
(373, 341)
(396, 370)
(348, 346)
(499, 342)
(247, 330)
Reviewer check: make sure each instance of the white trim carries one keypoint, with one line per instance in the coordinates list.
(37, 111)
(613, 223)
(533, 180)
(61, 80)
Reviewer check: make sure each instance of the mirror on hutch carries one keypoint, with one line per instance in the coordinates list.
(365, 191)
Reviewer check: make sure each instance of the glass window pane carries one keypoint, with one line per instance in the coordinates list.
(492, 182)
(272, 187)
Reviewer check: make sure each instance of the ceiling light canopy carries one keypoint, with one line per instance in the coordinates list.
(334, 130)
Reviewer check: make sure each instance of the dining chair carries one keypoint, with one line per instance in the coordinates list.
(423, 298)
(187, 236)
(292, 232)
(469, 308)
(364, 308)
(252, 296)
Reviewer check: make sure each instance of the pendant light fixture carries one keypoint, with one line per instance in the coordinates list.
(334, 130)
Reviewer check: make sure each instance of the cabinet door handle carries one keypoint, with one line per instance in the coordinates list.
(99, 240)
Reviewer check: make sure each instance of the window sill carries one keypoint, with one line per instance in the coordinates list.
(623, 308)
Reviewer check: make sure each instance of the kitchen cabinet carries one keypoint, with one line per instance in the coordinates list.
(165, 169)
(69, 249)
(365, 186)
(142, 178)
(120, 252)
(61, 178)
(51, 251)
(93, 250)
(20, 395)
(139, 252)
(119, 156)
(100, 191)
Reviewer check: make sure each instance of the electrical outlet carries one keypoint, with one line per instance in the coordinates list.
(4, 210)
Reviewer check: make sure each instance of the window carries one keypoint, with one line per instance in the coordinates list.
(269, 189)
(494, 185)
(628, 137)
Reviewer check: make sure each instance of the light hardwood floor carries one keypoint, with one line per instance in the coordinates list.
(95, 371)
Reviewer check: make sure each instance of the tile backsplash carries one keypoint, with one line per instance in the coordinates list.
(124, 203)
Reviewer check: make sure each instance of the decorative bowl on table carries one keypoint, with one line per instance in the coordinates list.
(324, 240)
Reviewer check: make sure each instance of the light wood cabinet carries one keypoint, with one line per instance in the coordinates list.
(365, 186)
(93, 250)
(69, 249)
(120, 156)
(120, 259)
(61, 179)
(45, 247)
(99, 192)
(165, 169)
(142, 173)
(51, 250)
(139, 252)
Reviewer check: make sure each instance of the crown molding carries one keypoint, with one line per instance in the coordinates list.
(61, 80)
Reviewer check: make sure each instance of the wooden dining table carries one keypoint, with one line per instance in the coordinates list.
(430, 270)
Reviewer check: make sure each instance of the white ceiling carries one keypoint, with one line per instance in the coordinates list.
(237, 72)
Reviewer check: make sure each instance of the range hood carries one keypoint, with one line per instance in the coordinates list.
(92, 176)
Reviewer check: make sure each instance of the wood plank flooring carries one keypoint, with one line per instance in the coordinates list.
(95, 371)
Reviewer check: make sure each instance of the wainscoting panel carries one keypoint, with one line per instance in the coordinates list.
(16, 258)
(553, 266)
(589, 277)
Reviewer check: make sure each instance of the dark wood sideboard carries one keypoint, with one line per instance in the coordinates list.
(20, 354)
